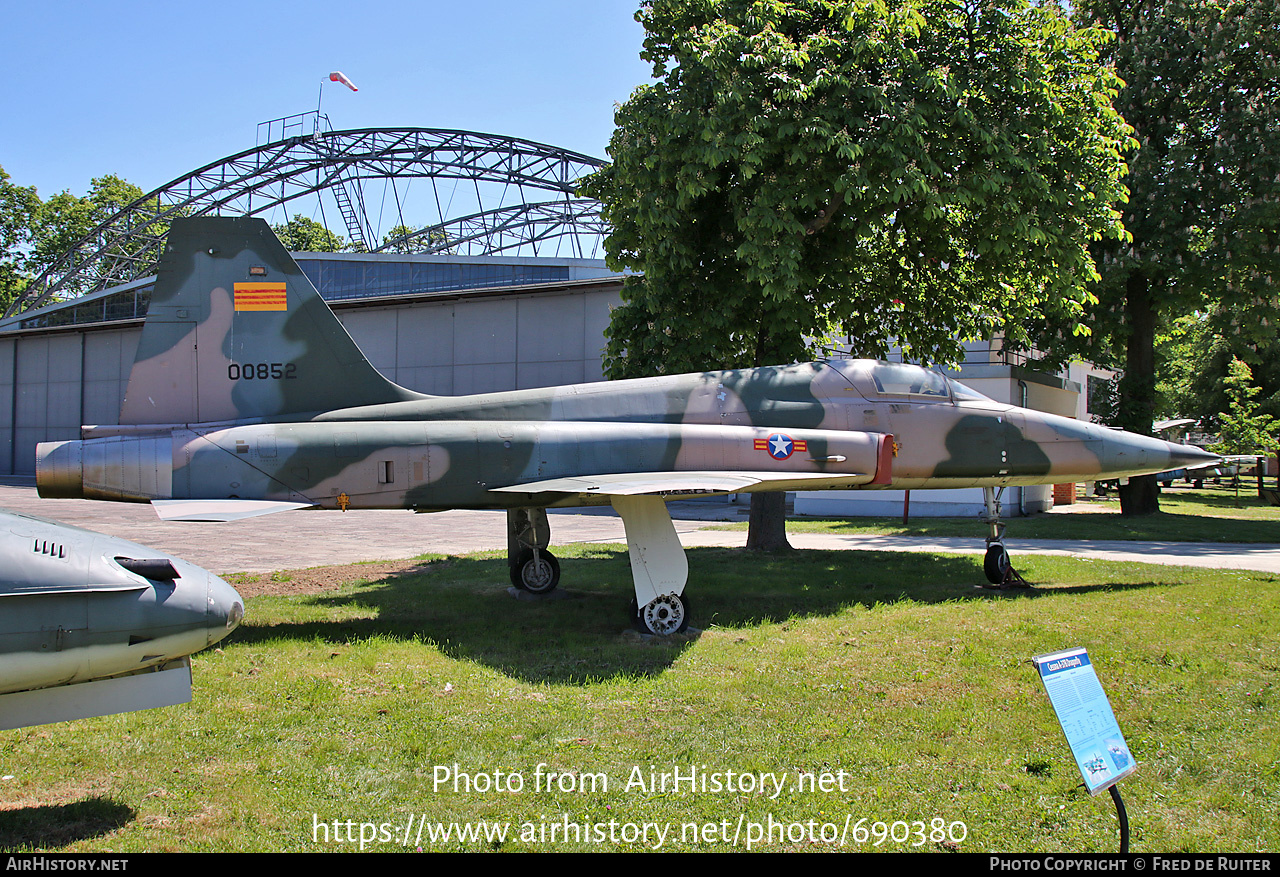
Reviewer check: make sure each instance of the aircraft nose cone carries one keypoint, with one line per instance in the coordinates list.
(1127, 454)
(226, 609)
(1189, 456)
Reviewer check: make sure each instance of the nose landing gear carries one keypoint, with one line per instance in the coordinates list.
(996, 564)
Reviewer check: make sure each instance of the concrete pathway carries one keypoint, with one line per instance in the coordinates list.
(1216, 555)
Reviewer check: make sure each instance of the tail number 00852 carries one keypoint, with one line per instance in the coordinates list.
(261, 371)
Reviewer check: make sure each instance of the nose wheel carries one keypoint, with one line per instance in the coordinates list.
(999, 568)
(996, 565)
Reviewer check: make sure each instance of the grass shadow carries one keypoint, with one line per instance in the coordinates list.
(50, 826)
(463, 605)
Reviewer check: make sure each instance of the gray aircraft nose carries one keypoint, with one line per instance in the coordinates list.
(226, 609)
(1189, 456)
(1126, 454)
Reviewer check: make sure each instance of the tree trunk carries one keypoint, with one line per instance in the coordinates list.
(767, 524)
(1141, 496)
(767, 530)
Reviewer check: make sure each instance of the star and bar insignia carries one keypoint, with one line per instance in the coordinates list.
(781, 446)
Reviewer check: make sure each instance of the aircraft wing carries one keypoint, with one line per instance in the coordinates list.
(677, 483)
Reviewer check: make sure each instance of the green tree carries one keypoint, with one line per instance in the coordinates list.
(19, 207)
(65, 220)
(36, 235)
(303, 235)
(398, 240)
(1178, 349)
(1203, 95)
(401, 239)
(1208, 389)
(1193, 359)
(1244, 429)
(910, 174)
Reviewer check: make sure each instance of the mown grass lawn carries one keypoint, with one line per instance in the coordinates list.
(891, 678)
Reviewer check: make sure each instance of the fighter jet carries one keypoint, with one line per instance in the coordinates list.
(92, 625)
(247, 396)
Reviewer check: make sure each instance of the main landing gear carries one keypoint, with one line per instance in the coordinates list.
(664, 616)
(996, 564)
(659, 570)
(532, 567)
(536, 571)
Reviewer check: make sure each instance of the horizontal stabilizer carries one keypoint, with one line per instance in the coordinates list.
(219, 509)
(676, 483)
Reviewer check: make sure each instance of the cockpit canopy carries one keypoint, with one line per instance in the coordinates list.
(901, 379)
(876, 378)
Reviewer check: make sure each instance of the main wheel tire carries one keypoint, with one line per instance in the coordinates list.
(996, 564)
(664, 616)
(536, 572)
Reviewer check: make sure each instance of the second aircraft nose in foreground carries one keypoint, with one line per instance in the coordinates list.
(91, 624)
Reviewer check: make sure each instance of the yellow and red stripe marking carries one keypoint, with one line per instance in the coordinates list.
(262, 297)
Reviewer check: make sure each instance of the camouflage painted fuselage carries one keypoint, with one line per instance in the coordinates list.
(826, 422)
(245, 387)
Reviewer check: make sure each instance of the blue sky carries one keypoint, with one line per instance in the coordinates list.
(152, 90)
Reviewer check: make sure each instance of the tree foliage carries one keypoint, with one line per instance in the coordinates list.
(1193, 362)
(35, 234)
(1203, 95)
(1244, 429)
(413, 239)
(400, 240)
(65, 218)
(906, 174)
(303, 235)
(19, 207)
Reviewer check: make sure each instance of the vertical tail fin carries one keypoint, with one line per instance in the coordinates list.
(236, 331)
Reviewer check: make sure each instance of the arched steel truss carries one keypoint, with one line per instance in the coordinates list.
(486, 194)
(505, 229)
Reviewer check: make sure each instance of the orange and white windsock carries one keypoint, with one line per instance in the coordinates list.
(337, 76)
